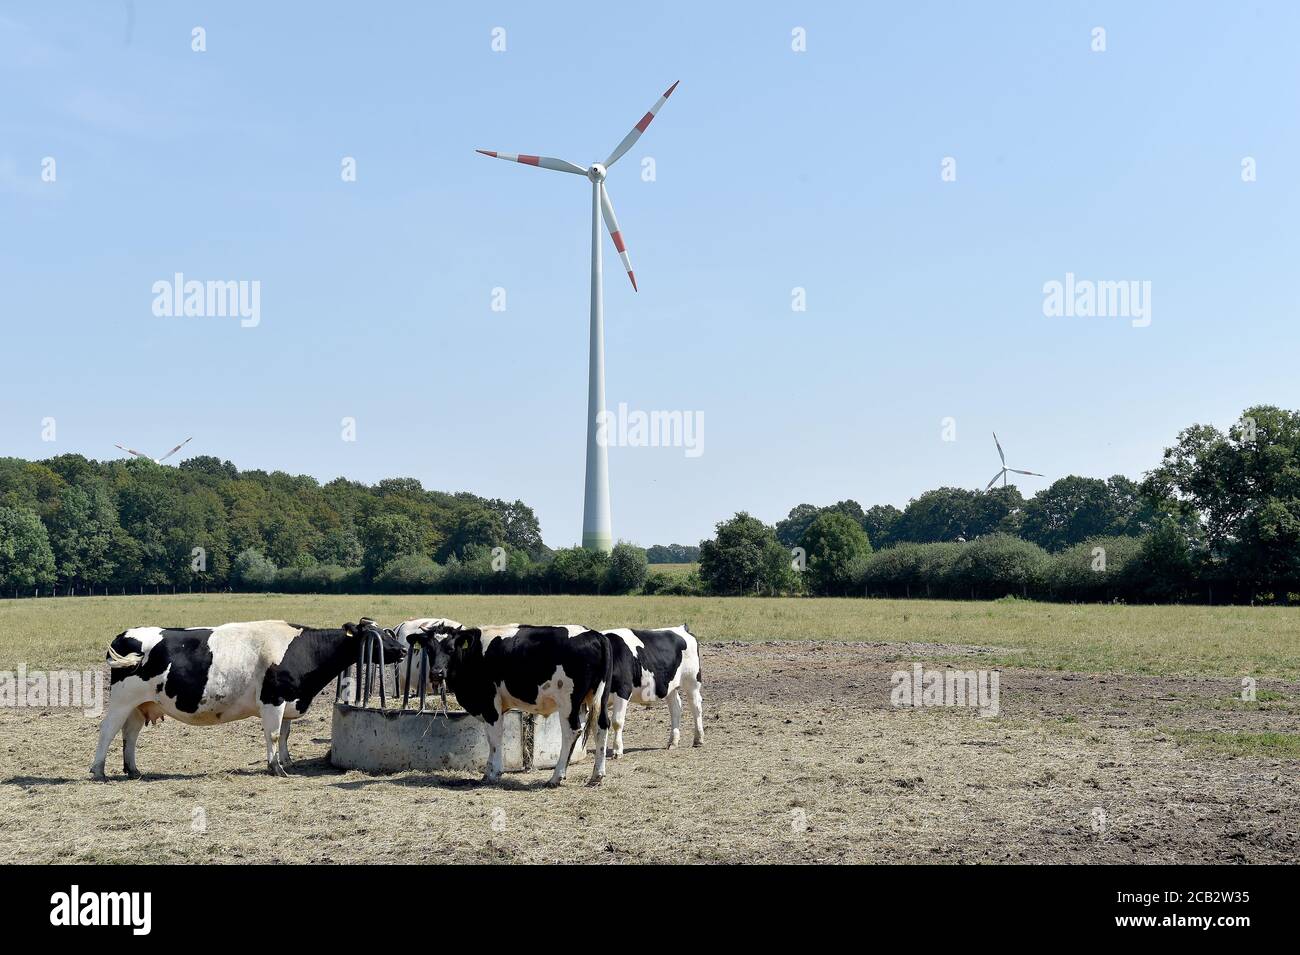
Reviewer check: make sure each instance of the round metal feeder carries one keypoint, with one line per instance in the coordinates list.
(392, 739)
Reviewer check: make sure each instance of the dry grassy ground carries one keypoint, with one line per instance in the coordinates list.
(1156, 760)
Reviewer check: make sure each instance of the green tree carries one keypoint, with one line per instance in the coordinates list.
(879, 521)
(575, 570)
(953, 513)
(386, 537)
(1074, 509)
(82, 531)
(1241, 492)
(627, 569)
(790, 531)
(253, 571)
(474, 525)
(745, 557)
(26, 558)
(409, 574)
(672, 554)
(520, 527)
(833, 541)
(1163, 568)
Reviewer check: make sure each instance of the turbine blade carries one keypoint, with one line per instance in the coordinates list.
(546, 162)
(175, 449)
(1018, 471)
(138, 454)
(639, 128)
(1000, 454)
(995, 479)
(611, 223)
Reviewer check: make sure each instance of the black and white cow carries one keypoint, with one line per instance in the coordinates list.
(653, 665)
(404, 631)
(210, 675)
(542, 670)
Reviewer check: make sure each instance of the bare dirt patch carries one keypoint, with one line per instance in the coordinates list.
(805, 761)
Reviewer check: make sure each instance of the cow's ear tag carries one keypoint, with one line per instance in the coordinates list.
(464, 643)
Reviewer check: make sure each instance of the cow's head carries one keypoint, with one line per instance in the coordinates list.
(447, 646)
(394, 649)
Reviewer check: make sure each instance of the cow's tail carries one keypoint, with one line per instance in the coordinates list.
(119, 661)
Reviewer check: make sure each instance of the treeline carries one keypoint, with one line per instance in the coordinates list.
(73, 525)
(672, 554)
(1218, 520)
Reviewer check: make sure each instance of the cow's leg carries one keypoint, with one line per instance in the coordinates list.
(596, 713)
(118, 713)
(568, 734)
(581, 742)
(272, 721)
(130, 736)
(675, 716)
(496, 731)
(618, 715)
(697, 710)
(284, 743)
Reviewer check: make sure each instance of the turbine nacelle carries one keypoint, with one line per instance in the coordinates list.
(596, 173)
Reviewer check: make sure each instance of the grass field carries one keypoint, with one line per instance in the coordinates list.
(1186, 641)
(1122, 738)
(673, 568)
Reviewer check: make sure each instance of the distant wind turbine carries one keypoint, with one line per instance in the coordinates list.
(141, 454)
(1003, 473)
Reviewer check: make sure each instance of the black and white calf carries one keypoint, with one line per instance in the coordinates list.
(542, 670)
(653, 665)
(210, 675)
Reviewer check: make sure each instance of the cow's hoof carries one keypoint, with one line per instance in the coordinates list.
(553, 783)
(699, 741)
(672, 744)
(596, 780)
(275, 769)
(615, 754)
(490, 780)
(98, 775)
(133, 773)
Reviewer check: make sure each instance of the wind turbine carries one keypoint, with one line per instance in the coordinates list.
(597, 533)
(141, 454)
(1003, 473)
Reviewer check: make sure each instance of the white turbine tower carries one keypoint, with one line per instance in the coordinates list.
(141, 454)
(597, 532)
(1003, 473)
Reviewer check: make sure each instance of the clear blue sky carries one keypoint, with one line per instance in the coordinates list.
(775, 169)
